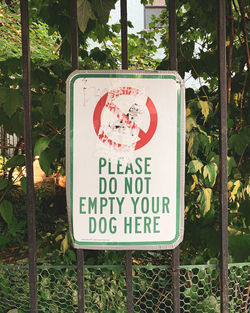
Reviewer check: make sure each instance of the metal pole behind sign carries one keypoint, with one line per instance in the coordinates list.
(223, 157)
(30, 198)
(173, 66)
(124, 45)
(75, 66)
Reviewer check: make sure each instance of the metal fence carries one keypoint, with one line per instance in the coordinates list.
(164, 290)
(106, 288)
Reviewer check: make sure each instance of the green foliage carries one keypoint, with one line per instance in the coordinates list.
(3, 183)
(95, 9)
(41, 42)
(84, 13)
(41, 145)
(16, 160)
(12, 213)
(197, 55)
(6, 211)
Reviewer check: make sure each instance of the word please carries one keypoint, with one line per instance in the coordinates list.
(139, 166)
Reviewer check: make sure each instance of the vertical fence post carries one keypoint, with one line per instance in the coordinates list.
(74, 35)
(30, 198)
(124, 34)
(173, 66)
(172, 36)
(124, 46)
(223, 156)
(75, 66)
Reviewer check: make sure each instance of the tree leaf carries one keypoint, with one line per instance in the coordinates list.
(3, 94)
(190, 123)
(3, 183)
(48, 103)
(205, 143)
(6, 211)
(23, 184)
(205, 108)
(59, 237)
(194, 166)
(248, 189)
(60, 102)
(116, 28)
(190, 140)
(188, 112)
(237, 143)
(41, 145)
(16, 160)
(230, 185)
(213, 157)
(188, 49)
(195, 179)
(206, 195)
(44, 162)
(102, 9)
(11, 103)
(210, 171)
(10, 99)
(193, 143)
(65, 244)
(84, 13)
(234, 192)
(210, 304)
(17, 123)
(230, 163)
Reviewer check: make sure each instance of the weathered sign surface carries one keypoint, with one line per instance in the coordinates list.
(125, 159)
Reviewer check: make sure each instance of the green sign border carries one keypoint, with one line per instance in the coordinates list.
(178, 181)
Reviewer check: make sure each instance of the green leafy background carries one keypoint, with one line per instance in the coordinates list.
(51, 65)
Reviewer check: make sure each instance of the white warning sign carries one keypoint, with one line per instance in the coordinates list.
(125, 159)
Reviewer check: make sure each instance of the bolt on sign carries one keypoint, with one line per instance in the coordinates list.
(125, 159)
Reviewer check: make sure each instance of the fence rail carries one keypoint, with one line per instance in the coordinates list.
(105, 288)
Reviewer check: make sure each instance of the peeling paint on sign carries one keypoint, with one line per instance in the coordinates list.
(125, 119)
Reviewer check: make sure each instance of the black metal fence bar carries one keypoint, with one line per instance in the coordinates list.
(129, 285)
(173, 66)
(29, 156)
(80, 280)
(75, 66)
(124, 34)
(124, 46)
(172, 35)
(223, 156)
(74, 34)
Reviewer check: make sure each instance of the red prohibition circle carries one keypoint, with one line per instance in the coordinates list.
(102, 103)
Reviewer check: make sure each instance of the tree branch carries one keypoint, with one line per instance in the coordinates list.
(235, 7)
(242, 97)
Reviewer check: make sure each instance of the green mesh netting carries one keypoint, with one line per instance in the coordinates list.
(105, 289)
